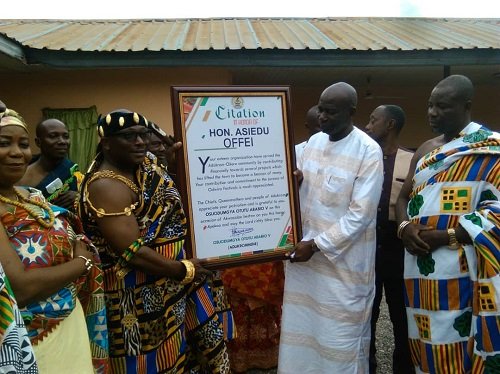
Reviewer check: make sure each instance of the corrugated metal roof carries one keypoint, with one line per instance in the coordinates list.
(233, 34)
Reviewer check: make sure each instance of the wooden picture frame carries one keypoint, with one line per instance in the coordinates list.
(235, 175)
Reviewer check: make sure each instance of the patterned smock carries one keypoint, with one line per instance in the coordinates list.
(40, 247)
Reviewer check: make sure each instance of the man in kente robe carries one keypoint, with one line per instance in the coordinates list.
(448, 214)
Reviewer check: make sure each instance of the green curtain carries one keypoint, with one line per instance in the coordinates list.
(82, 126)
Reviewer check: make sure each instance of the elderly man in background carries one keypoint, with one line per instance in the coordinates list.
(449, 214)
(53, 173)
(385, 125)
(329, 283)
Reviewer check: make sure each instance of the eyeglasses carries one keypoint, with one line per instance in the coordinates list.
(131, 136)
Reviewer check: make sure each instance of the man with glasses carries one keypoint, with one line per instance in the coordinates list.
(164, 313)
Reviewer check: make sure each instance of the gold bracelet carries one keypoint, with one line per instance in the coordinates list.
(401, 228)
(453, 242)
(88, 262)
(190, 272)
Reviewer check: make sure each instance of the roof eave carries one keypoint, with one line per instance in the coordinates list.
(11, 49)
(260, 57)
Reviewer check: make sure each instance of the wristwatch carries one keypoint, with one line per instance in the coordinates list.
(453, 243)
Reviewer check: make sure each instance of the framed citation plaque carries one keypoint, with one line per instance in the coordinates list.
(236, 174)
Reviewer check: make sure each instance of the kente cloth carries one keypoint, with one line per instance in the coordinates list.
(157, 325)
(69, 177)
(38, 247)
(16, 352)
(327, 302)
(256, 295)
(263, 282)
(453, 295)
(257, 344)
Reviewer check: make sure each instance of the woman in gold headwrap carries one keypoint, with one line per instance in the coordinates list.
(47, 264)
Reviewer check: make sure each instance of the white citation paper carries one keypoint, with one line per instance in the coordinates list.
(237, 169)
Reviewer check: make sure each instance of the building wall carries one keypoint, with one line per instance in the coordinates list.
(147, 90)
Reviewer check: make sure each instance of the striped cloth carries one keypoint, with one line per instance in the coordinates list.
(16, 352)
(157, 325)
(452, 296)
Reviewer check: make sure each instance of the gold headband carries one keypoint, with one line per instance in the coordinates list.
(12, 121)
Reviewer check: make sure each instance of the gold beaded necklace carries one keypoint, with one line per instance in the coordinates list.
(39, 217)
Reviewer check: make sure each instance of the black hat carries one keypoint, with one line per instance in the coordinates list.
(119, 120)
(157, 130)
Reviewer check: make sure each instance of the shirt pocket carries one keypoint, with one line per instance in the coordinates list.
(333, 190)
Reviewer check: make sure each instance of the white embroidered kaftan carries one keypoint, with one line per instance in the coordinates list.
(328, 300)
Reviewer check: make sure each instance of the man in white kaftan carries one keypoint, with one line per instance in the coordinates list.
(329, 284)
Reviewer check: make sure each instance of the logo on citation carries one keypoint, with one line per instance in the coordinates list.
(237, 102)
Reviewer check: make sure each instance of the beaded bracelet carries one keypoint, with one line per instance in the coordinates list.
(190, 272)
(126, 257)
(401, 228)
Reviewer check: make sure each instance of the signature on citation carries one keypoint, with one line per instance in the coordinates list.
(235, 231)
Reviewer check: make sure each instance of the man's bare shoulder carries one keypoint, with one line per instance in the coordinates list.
(429, 146)
(110, 192)
(107, 186)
